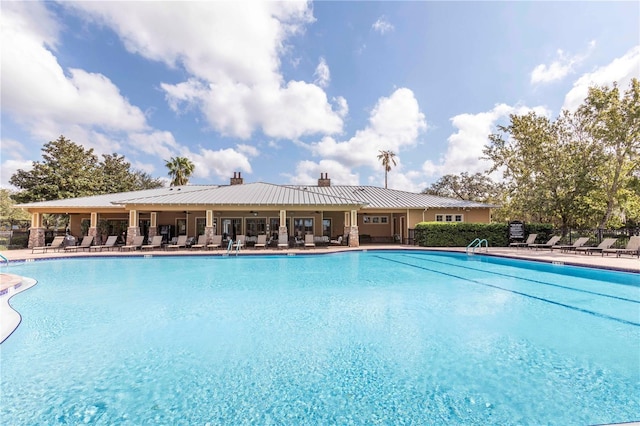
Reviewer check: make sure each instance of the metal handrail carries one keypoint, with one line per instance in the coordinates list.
(477, 243)
(5, 259)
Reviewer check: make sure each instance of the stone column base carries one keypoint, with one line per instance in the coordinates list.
(209, 231)
(354, 237)
(132, 232)
(36, 238)
(283, 236)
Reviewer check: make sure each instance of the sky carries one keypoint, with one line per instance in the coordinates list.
(285, 91)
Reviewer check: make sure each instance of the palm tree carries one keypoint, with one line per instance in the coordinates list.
(180, 170)
(387, 158)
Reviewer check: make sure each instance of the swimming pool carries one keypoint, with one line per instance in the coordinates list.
(378, 337)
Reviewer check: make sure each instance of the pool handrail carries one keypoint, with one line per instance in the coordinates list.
(5, 259)
(477, 243)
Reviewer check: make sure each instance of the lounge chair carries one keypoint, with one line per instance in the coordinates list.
(56, 244)
(216, 242)
(548, 244)
(566, 247)
(84, 245)
(239, 242)
(201, 244)
(135, 244)
(632, 248)
(108, 245)
(337, 242)
(261, 242)
(530, 240)
(181, 242)
(605, 244)
(309, 241)
(156, 242)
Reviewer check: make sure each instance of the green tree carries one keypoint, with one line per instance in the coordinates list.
(476, 187)
(180, 170)
(10, 215)
(613, 122)
(387, 158)
(67, 170)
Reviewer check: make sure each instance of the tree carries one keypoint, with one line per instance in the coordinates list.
(68, 170)
(180, 170)
(614, 124)
(387, 158)
(10, 215)
(476, 187)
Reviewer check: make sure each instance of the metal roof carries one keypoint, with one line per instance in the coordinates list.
(376, 197)
(265, 194)
(250, 194)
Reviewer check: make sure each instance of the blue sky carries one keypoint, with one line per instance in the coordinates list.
(285, 91)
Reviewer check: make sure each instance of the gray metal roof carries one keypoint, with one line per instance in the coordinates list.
(376, 197)
(265, 194)
(250, 194)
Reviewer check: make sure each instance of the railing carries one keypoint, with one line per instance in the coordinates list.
(477, 243)
(229, 246)
(5, 259)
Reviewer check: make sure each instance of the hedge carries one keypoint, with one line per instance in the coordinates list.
(443, 234)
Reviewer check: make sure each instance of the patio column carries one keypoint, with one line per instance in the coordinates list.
(354, 237)
(153, 225)
(93, 228)
(283, 236)
(36, 232)
(134, 229)
(209, 229)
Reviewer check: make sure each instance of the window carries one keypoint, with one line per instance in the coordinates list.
(378, 220)
(326, 227)
(256, 226)
(302, 226)
(231, 227)
(200, 224)
(449, 218)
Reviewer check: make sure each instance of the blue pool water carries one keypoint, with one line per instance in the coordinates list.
(385, 337)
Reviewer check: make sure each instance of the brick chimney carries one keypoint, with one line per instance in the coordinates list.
(236, 179)
(324, 180)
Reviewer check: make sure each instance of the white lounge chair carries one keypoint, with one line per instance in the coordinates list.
(261, 242)
(632, 248)
(309, 241)
(180, 243)
(337, 242)
(216, 242)
(201, 244)
(239, 242)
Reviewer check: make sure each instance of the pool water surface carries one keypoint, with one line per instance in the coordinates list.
(378, 337)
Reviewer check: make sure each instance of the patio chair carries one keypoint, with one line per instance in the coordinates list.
(156, 242)
(108, 245)
(632, 248)
(201, 244)
(56, 244)
(84, 245)
(181, 242)
(261, 242)
(530, 240)
(239, 242)
(135, 244)
(548, 244)
(216, 242)
(605, 244)
(567, 247)
(337, 242)
(309, 241)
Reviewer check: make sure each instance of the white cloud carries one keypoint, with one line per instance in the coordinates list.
(234, 77)
(322, 74)
(221, 163)
(620, 70)
(308, 172)
(465, 147)
(382, 25)
(394, 123)
(42, 96)
(560, 68)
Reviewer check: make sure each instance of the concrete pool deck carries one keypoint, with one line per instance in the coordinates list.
(623, 263)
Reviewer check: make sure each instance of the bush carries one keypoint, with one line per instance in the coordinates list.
(443, 234)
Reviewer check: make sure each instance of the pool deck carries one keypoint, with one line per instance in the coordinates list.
(623, 263)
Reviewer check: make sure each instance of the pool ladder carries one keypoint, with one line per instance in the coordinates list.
(477, 243)
(5, 259)
(230, 246)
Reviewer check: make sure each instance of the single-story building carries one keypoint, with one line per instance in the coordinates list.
(279, 211)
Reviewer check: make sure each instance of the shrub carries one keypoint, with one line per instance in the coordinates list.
(444, 234)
